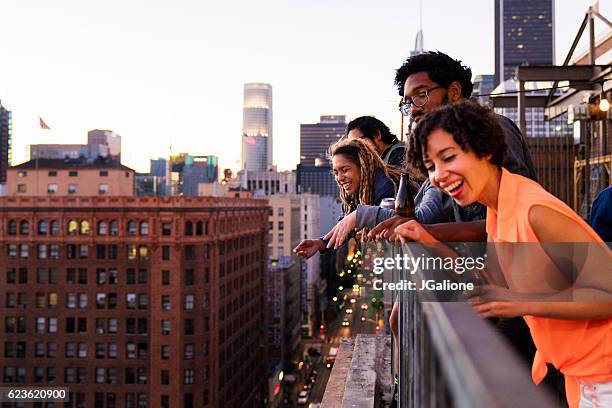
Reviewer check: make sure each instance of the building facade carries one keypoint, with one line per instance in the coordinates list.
(135, 302)
(79, 177)
(316, 180)
(524, 35)
(268, 183)
(104, 143)
(199, 169)
(316, 138)
(6, 140)
(257, 127)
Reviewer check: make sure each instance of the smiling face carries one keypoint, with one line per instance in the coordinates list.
(461, 174)
(347, 173)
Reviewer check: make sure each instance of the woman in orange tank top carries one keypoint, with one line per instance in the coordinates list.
(461, 148)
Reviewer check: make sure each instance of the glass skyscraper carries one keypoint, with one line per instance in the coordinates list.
(257, 127)
(524, 35)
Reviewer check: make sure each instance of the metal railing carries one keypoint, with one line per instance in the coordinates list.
(450, 357)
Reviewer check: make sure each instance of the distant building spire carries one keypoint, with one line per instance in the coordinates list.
(418, 42)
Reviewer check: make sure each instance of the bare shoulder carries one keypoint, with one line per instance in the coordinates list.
(551, 225)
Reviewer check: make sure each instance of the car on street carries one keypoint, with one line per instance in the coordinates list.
(364, 306)
(346, 323)
(349, 311)
(303, 397)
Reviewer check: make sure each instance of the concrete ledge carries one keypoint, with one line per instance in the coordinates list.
(361, 376)
(336, 385)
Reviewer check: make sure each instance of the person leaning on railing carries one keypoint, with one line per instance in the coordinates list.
(363, 178)
(461, 147)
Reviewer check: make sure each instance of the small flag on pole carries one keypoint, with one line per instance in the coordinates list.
(43, 125)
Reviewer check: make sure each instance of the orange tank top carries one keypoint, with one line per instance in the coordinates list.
(580, 349)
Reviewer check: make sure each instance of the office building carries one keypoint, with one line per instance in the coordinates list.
(198, 169)
(104, 143)
(70, 177)
(316, 138)
(524, 35)
(316, 180)
(135, 301)
(268, 183)
(483, 86)
(6, 140)
(257, 127)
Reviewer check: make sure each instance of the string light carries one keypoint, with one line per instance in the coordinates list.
(604, 104)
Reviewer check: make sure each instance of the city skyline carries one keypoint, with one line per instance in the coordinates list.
(165, 76)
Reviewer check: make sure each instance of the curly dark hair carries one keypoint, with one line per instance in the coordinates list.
(442, 69)
(473, 127)
(368, 125)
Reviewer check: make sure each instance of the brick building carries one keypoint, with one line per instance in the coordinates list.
(135, 301)
(70, 177)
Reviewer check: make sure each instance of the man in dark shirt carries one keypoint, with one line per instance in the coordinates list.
(390, 149)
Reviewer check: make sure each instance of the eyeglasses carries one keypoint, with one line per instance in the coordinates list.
(405, 105)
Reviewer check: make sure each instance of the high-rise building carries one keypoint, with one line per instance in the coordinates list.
(317, 180)
(524, 35)
(58, 151)
(483, 85)
(257, 127)
(104, 143)
(199, 169)
(135, 301)
(6, 138)
(316, 138)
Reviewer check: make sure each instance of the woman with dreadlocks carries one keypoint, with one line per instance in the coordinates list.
(363, 178)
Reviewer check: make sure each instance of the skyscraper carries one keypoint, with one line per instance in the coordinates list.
(524, 35)
(6, 132)
(316, 138)
(257, 127)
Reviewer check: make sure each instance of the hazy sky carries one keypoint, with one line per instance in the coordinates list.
(163, 73)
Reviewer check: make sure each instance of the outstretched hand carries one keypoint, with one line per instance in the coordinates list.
(338, 235)
(308, 248)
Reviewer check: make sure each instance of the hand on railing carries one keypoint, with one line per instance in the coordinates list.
(341, 231)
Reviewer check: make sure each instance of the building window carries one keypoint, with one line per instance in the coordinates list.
(131, 227)
(188, 377)
(52, 173)
(165, 327)
(165, 277)
(189, 352)
(103, 173)
(114, 228)
(73, 173)
(73, 227)
(54, 227)
(165, 253)
(72, 188)
(52, 188)
(12, 227)
(22, 188)
(189, 302)
(102, 228)
(165, 352)
(42, 227)
(84, 227)
(189, 326)
(24, 227)
(22, 173)
(144, 228)
(103, 188)
(165, 302)
(165, 377)
(166, 228)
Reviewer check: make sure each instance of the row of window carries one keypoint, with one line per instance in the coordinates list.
(102, 350)
(103, 276)
(71, 173)
(82, 227)
(102, 375)
(17, 324)
(103, 301)
(53, 188)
